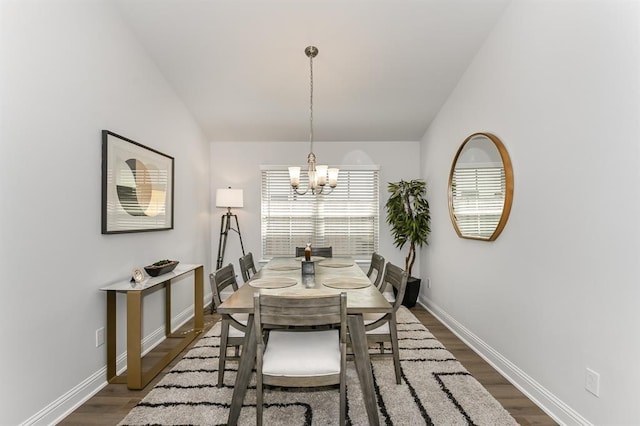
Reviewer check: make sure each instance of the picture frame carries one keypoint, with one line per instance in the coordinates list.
(137, 186)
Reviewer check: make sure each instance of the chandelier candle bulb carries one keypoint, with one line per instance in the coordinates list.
(294, 175)
(321, 174)
(333, 177)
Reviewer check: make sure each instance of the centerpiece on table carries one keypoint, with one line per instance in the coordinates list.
(161, 267)
(308, 267)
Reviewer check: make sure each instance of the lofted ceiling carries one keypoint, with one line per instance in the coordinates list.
(384, 67)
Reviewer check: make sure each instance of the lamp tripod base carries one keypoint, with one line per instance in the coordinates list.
(225, 227)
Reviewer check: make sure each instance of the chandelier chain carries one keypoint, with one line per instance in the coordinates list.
(311, 102)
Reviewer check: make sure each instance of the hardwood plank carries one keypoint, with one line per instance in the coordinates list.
(111, 404)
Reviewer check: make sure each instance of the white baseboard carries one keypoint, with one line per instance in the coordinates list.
(79, 394)
(542, 397)
(65, 404)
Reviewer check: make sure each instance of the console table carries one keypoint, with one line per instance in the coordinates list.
(135, 378)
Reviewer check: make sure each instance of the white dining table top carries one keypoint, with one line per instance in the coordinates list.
(359, 300)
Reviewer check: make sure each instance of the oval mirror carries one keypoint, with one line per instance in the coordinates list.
(480, 188)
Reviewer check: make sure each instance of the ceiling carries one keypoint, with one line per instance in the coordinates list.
(384, 67)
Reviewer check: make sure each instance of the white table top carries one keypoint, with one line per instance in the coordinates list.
(148, 282)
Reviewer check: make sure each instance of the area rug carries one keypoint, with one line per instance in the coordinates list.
(436, 390)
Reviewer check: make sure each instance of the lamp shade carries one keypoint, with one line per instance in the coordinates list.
(227, 197)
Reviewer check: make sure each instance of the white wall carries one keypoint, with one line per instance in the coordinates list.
(558, 292)
(70, 69)
(236, 164)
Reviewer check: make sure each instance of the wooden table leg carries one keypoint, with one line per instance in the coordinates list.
(245, 370)
(363, 365)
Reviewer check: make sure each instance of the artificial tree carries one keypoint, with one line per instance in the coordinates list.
(408, 215)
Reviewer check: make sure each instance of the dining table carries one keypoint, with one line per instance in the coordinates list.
(322, 276)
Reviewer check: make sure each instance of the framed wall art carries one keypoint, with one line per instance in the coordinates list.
(137, 187)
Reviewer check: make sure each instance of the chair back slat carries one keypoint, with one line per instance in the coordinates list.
(397, 278)
(307, 311)
(247, 266)
(376, 271)
(221, 279)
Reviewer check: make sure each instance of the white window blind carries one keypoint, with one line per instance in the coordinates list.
(478, 198)
(347, 219)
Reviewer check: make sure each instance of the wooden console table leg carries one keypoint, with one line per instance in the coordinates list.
(167, 308)
(134, 340)
(111, 336)
(198, 299)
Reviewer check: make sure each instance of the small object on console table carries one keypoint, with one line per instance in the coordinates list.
(161, 267)
(137, 276)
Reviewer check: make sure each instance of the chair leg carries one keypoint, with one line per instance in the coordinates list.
(394, 346)
(343, 383)
(381, 344)
(343, 401)
(224, 337)
(259, 400)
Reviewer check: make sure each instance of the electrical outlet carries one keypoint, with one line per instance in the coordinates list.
(99, 337)
(592, 382)
(428, 282)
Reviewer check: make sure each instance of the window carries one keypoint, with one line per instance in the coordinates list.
(478, 198)
(347, 219)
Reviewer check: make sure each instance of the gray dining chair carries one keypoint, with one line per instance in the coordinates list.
(302, 356)
(233, 327)
(376, 270)
(247, 266)
(383, 328)
(316, 251)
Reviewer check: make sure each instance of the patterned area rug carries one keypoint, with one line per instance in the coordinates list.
(435, 390)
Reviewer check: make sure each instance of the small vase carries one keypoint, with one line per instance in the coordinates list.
(307, 252)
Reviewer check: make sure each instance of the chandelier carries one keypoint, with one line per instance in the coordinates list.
(319, 175)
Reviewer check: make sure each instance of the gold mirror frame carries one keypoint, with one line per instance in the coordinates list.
(508, 189)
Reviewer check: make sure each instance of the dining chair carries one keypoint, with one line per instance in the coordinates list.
(301, 356)
(247, 267)
(233, 327)
(316, 251)
(376, 270)
(382, 328)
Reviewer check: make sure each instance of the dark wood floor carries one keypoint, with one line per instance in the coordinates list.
(111, 404)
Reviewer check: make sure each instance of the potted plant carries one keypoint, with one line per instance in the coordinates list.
(408, 215)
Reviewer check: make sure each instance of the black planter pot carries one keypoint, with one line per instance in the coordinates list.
(411, 292)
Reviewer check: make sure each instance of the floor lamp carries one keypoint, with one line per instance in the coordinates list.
(228, 198)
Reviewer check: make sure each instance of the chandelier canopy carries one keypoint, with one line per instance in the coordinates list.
(318, 175)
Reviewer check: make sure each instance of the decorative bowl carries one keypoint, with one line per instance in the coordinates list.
(161, 267)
